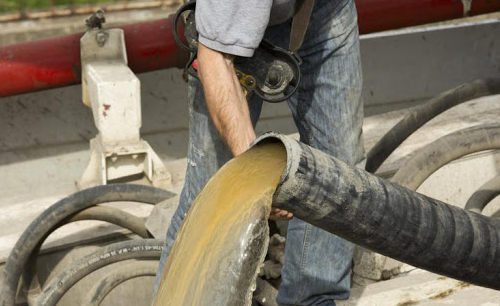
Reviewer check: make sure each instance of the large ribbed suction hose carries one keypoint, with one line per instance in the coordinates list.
(387, 218)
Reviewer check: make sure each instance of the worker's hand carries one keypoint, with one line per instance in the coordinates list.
(280, 214)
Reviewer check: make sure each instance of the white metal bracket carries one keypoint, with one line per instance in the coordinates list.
(112, 90)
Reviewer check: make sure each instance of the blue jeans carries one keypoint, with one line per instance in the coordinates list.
(328, 112)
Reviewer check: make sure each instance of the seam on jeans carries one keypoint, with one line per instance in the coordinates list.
(302, 118)
(303, 262)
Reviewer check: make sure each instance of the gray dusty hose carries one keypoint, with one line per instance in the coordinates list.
(387, 218)
(134, 249)
(110, 281)
(39, 229)
(444, 150)
(485, 194)
(419, 115)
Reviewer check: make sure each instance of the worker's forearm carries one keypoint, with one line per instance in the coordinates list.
(226, 102)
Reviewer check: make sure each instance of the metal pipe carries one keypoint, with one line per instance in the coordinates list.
(381, 15)
(387, 218)
(71, 10)
(55, 62)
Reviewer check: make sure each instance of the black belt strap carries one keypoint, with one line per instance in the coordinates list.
(300, 22)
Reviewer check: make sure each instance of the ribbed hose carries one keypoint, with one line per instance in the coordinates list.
(99, 213)
(485, 194)
(39, 229)
(444, 150)
(387, 218)
(134, 249)
(114, 216)
(110, 281)
(419, 115)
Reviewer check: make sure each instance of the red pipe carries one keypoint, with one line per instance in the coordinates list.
(55, 62)
(380, 15)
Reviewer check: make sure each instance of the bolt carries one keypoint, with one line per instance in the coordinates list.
(274, 78)
(101, 37)
(96, 20)
(100, 15)
(250, 81)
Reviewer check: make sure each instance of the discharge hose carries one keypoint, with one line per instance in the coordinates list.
(385, 217)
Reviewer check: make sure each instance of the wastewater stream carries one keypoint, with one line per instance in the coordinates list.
(224, 237)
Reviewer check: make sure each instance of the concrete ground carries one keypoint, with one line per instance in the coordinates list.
(421, 288)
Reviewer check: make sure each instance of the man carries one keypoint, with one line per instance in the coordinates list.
(327, 110)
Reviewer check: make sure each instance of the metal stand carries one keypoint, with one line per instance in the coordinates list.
(112, 90)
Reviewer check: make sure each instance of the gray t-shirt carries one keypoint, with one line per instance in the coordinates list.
(237, 26)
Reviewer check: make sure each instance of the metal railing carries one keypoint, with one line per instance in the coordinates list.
(11, 10)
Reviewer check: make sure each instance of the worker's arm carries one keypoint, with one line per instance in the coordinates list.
(226, 101)
(227, 104)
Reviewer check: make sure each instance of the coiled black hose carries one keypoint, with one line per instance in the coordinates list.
(444, 150)
(100, 213)
(106, 284)
(38, 230)
(114, 216)
(485, 194)
(421, 114)
(133, 249)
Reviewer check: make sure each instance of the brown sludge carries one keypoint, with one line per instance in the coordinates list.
(224, 237)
